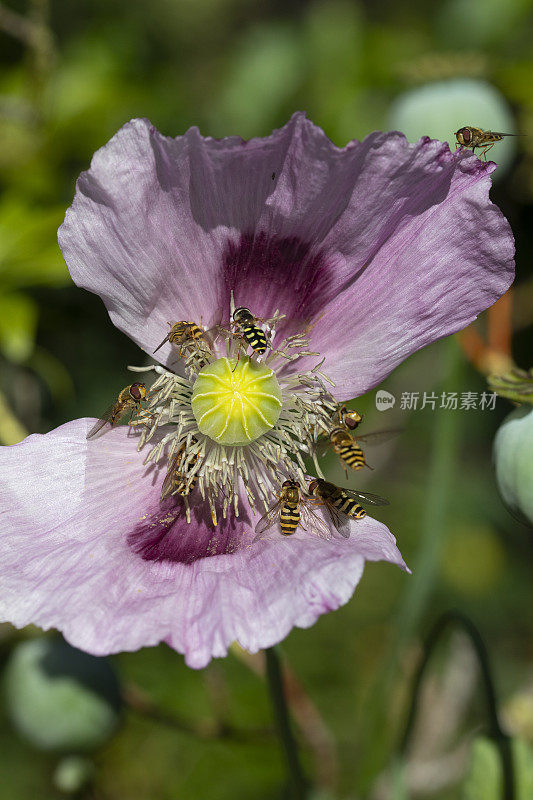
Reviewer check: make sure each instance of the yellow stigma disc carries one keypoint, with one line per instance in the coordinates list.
(236, 401)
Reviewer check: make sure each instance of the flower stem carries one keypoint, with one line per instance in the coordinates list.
(500, 738)
(281, 715)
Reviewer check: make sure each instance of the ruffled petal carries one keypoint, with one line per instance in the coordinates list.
(156, 221)
(83, 549)
(435, 252)
(385, 245)
(131, 237)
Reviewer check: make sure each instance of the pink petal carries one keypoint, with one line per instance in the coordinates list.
(156, 221)
(387, 246)
(435, 253)
(69, 509)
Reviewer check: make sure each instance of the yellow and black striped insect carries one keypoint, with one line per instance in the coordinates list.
(290, 510)
(177, 479)
(129, 399)
(348, 418)
(344, 443)
(342, 503)
(471, 137)
(347, 449)
(182, 334)
(252, 334)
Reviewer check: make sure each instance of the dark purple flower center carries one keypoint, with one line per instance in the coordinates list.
(273, 272)
(165, 535)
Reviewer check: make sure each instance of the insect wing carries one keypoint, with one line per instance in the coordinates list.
(378, 437)
(168, 483)
(312, 522)
(166, 339)
(107, 417)
(323, 447)
(268, 521)
(498, 133)
(97, 427)
(211, 335)
(366, 497)
(341, 523)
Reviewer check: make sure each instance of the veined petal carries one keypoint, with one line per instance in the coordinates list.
(131, 237)
(385, 245)
(444, 254)
(382, 245)
(155, 223)
(87, 548)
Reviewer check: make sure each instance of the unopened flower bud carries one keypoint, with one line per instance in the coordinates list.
(513, 457)
(60, 698)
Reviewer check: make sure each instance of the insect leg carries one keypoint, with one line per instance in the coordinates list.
(241, 347)
(486, 148)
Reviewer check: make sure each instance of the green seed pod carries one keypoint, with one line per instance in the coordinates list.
(513, 457)
(236, 401)
(59, 698)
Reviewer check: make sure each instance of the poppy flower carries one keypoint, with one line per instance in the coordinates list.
(346, 260)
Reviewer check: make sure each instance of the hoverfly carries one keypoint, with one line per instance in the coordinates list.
(129, 399)
(347, 447)
(289, 511)
(176, 480)
(348, 418)
(252, 334)
(471, 137)
(182, 334)
(343, 501)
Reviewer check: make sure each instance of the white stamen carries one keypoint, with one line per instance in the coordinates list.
(219, 471)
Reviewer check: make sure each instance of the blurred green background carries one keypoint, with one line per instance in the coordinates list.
(71, 73)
